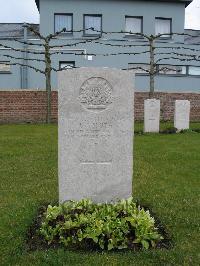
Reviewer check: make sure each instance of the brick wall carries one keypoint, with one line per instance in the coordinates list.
(30, 106)
(25, 106)
(167, 102)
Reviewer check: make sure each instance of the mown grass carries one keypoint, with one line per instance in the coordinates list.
(166, 178)
(165, 125)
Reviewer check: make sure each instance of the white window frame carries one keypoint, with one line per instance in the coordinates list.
(69, 31)
(5, 67)
(193, 67)
(92, 32)
(69, 65)
(140, 18)
(172, 69)
(167, 35)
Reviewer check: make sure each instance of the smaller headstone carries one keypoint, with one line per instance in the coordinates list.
(182, 114)
(151, 115)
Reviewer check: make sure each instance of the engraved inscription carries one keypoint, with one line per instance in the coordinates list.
(96, 94)
(183, 111)
(89, 129)
(153, 113)
(153, 110)
(95, 152)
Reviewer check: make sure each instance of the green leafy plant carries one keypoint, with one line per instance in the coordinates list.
(104, 225)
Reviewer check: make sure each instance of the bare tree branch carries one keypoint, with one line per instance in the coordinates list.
(135, 68)
(21, 41)
(75, 44)
(35, 32)
(21, 58)
(179, 54)
(178, 48)
(95, 54)
(23, 65)
(177, 58)
(21, 50)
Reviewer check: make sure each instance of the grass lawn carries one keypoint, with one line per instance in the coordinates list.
(166, 178)
(165, 125)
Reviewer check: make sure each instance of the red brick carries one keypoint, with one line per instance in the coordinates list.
(30, 106)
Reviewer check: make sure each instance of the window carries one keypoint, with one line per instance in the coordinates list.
(194, 70)
(92, 21)
(172, 70)
(162, 26)
(139, 68)
(133, 25)
(66, 65)
(181, 70)
(62, 21)
(5, 67)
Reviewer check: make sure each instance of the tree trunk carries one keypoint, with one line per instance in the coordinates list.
(152, 68)
(48, 91)
(48, 82)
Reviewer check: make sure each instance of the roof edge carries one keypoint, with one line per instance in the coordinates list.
(38, 4)
(187, 2)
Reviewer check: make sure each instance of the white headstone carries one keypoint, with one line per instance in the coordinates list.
(95, 134)
(182, 114)
(151, 115)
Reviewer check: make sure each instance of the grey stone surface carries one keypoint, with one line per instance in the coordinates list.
(182, 114)
(95, 134)
(151, 115)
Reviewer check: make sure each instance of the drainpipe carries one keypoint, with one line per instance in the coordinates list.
(24, 72)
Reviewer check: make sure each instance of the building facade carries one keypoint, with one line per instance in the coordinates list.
(92, 20)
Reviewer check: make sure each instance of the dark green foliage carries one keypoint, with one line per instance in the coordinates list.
(109, 226)
(169, 130)
(196, 130)
(187, 131)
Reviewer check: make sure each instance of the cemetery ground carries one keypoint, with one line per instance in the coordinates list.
(166, 179)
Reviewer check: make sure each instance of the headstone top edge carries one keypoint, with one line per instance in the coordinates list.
(183, 101)
(101, 69)
(153, 99)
